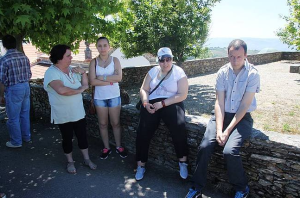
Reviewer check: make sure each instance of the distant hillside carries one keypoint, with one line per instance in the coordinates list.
(222, 52)
(252, 43)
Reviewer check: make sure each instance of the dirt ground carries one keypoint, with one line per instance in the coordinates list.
(278, 101)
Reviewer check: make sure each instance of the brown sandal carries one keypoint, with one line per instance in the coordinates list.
(89, 163)
(71, 167)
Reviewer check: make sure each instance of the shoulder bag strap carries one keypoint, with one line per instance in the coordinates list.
(161, 81)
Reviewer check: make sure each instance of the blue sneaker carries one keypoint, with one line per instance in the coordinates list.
(140, 171)
(183, 170)
(193, 193)
(242, 194)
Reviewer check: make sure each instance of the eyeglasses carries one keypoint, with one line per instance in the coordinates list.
(168, 59)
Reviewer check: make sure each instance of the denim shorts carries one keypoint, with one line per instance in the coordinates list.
(113, 102)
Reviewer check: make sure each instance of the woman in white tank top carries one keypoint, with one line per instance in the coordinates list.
(104, 73)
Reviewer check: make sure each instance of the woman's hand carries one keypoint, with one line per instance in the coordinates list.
(157, 105)
(150, 108)
(78, 70)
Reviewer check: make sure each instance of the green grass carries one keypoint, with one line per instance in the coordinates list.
(286, 127)
(291, 113)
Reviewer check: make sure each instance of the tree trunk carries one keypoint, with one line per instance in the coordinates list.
(19, 39)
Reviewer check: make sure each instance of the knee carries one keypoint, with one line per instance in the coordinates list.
(103, 126)
(229, 151)
(116, 125)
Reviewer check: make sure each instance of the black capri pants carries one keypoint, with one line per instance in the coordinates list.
(67, 129)
(173, 117)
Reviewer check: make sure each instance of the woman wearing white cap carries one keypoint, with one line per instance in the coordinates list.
(162, 92)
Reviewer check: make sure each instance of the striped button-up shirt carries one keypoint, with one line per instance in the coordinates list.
(247, 80)
(14, 68)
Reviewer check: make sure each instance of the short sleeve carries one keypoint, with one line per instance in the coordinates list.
(180, 72)
(253, 83)
(220, 81)
(50, 75)
(153, 72)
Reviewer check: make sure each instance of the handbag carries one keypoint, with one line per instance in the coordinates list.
(139, 103)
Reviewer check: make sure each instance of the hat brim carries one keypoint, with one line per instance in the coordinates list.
(165, 56)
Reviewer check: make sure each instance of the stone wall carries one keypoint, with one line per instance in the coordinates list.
(272, 164)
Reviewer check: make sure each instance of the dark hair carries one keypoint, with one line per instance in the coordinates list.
(236, 44)
(57, 53)
(9, 42)
(102, 37)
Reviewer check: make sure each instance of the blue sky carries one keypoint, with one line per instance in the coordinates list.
(248, 18)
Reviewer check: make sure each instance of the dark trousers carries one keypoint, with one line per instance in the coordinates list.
(67, 129)
(231, 151)
(174, 118)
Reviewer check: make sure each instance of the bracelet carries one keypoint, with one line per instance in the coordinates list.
(111, 83)
(144, 104)
(104, 77)
(163, 103)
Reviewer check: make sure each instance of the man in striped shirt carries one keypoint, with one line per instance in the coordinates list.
(14, 75)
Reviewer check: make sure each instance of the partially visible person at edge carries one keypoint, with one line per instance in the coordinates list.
(165, 103)
(64, 86)
(104, 73)
(231, 124)
(15, 74)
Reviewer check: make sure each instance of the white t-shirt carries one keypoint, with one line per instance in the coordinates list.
(168, 87)
(64, 108)
(108, 91)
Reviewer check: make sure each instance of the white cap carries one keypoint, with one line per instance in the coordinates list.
(164, 52)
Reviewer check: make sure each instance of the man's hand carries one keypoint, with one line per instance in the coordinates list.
(222, 137)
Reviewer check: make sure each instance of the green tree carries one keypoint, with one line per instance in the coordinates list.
(49, 22)
(181, 25)
(291, 33)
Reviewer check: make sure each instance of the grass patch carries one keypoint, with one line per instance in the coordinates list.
(291, 113)
(286, 127)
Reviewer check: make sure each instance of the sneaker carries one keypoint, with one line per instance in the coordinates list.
(242, 194)
(105, 153)
(183, 170)
(121, 151)
(140, 171)
(10, 145)
(193, 193)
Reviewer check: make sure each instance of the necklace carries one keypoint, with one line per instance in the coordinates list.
(71, 79)
(103, 61)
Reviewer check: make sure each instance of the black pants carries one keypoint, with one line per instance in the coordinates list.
(67, 129)
(174, 118)
(231, 151)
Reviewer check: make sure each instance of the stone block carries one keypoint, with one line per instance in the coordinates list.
(294, 69)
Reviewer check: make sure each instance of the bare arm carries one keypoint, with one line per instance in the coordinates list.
(219, 113)
(84, 78)
(117, 76)
(59, 87)
(92, 76)
(181, 94)
(144, 94)
(244, 106)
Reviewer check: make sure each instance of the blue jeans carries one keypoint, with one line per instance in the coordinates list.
(235, 171)
(18, 112)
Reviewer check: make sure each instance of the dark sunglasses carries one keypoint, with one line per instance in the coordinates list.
(168, 59)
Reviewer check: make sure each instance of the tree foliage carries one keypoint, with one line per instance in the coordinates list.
(49, 22)
(291, 33)
(182, 25)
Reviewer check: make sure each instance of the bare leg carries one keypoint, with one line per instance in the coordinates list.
(114, 115)
(102, 113)
(139, 163)
(69, 157)
(183, 159)
(87, 161)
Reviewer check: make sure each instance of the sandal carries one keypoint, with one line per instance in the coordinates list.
(71, 168)
(89, 163)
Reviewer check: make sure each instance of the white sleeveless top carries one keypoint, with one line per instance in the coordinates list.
(108, 91)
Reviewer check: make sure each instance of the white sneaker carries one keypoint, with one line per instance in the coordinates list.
(10, 145)
(140, 171)
(183, 170)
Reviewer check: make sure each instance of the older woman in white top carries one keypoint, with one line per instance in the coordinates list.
(64, 86)
(164, 103)
(104, 73)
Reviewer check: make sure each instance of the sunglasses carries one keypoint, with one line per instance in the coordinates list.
(168, 59)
